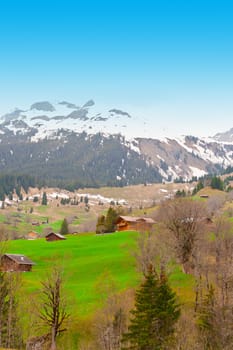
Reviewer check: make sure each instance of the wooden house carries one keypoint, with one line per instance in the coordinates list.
(16, 262)
(125, 223)
(32, 235)
(35, 223)
(52, 236)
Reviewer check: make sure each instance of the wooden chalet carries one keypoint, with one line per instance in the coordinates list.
(52, 236)
(16, 262)
(32, 235)
(125, 223)
(35, 223)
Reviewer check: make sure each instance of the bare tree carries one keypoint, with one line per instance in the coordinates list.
(154, 250)
(214, 305)
(10, 332)
(215, 203)
(184, 218)
(223, 243)
(53, 311)
(186, 333)
(111, 322)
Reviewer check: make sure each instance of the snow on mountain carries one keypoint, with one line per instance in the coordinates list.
(207, 149)
(166, 158)
(225, 136)
(47, 118)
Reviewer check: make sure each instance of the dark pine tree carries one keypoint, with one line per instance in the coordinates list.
(110, 220)
(44, 199)
(64, 227)
(217, 183)
(154, 316)
(100, 225)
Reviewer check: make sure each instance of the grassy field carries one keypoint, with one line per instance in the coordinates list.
(91, 263)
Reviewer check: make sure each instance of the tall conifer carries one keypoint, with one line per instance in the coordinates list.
(44, 199)
(154, 316)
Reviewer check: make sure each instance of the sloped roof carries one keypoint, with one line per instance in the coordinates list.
(32, 234)
(20, 259)
(56, 234)
(136, 219)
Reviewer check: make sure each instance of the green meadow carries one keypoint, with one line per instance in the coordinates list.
(90, 263)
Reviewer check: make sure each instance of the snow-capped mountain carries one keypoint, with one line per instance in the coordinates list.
(69, 143)
(46, 118)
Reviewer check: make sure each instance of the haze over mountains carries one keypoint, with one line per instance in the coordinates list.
(64, 143)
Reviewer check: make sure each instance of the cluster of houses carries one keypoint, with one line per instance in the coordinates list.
(21, 263)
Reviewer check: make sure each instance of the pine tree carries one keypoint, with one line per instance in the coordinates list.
(86, 200)
(100, 226)
(110, 220)
(44, 199)
(154, 316)
(217, 183)
(64, 227)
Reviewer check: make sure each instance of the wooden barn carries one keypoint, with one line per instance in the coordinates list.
(32, 235)
(125, 223)
(16, 262)
(52, 236)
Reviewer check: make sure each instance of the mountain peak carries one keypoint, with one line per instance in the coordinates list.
(58, 130)
(226, 136)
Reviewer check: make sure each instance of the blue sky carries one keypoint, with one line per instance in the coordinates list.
(169, 62)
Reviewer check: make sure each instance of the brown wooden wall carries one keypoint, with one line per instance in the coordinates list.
(52, 238)
(9, 265)
(137, 226)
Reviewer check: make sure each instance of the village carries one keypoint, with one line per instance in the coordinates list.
(21, 263)
(27, 218)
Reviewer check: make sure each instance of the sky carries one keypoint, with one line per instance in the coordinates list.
(169, 62)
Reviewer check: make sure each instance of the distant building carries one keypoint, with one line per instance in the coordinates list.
(35, 223)
(32, 235)
(16, 262)
(127, 223)
(52, 236)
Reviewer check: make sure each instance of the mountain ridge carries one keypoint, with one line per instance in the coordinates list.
(65, 142)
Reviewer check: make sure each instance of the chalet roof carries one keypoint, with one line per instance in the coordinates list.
(136, 219)
(55, 234)
(20, 259)
(32, 234)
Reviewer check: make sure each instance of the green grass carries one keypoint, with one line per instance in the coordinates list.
(2, 218)
(89, 262)
(55, 226)
(183, 284)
